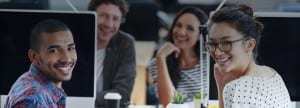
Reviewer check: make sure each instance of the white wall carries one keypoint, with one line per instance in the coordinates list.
(63, 5)
(258, 5)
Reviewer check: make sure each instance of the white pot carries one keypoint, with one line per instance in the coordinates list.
(197, 103)
(172, 105)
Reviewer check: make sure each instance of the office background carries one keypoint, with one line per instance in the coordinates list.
(159, 16)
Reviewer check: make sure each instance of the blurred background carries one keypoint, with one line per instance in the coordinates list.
(149, 20)
(159, 12)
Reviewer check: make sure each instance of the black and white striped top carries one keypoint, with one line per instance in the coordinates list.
(190, 82)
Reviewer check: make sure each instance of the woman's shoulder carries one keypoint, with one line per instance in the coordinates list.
(257, 89)
(268, 76)
(243, 83)
(268, 72)
(261, 72)
(152, 68)
(239, 83)
(152, 63)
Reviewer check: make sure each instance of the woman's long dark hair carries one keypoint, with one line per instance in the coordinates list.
(173, 63)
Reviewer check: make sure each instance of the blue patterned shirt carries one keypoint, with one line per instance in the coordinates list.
(33, 90)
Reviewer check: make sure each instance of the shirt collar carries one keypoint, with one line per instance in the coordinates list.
(56, 93)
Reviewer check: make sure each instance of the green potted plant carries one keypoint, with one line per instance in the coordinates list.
(197, 100)
(177, 101)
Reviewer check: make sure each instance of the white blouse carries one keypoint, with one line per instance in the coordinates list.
(256, 92)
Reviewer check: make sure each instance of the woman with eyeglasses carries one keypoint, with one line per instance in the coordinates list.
(177, 63)
(233, 36)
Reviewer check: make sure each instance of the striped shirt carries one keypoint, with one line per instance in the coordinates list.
(33, 90)
(190, 82)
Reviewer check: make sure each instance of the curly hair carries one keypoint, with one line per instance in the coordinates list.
(122, 4)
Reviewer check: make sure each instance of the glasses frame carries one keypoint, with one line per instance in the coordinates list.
(218, 45)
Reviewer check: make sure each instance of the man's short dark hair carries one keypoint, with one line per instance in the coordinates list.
(45, 26)
(122, 4)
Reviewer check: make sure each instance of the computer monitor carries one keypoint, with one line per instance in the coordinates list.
(15, 28)
(279, 49)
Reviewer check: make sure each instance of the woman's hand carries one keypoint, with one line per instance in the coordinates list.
(221, 82)
(167, 49)
(219, 75)
(222, 78)
(164, 83)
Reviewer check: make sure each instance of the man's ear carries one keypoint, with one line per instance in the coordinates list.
(32, 55)
(250, 45)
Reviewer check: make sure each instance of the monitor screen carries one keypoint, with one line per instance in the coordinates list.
(278, 49)
(15, 28)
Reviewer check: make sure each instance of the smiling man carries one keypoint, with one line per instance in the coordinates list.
(53, 56)
(115, 55)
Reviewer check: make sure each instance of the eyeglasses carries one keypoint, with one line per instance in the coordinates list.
(224, 46)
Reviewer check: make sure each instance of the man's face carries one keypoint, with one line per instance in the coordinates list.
(57, 56)
(109, 21)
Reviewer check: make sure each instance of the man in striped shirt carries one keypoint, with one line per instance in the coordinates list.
(53, 56)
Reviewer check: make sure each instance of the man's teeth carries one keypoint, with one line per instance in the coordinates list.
(105, 30)
(64, 69)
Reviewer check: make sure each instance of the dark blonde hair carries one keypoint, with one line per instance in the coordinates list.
(122, 4)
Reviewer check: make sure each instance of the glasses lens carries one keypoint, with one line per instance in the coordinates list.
(225, 46)
(210, 47)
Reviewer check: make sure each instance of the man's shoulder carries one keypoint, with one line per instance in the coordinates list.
(24, 90)
(23, 94)
(22, 102)
(121, 40)
(26, 85)
(125, 36)
(28, 98)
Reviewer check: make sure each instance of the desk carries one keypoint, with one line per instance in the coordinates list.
(138, 96)
(141, 106)
(72, 102)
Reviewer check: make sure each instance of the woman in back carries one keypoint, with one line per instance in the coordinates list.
(177, 63)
